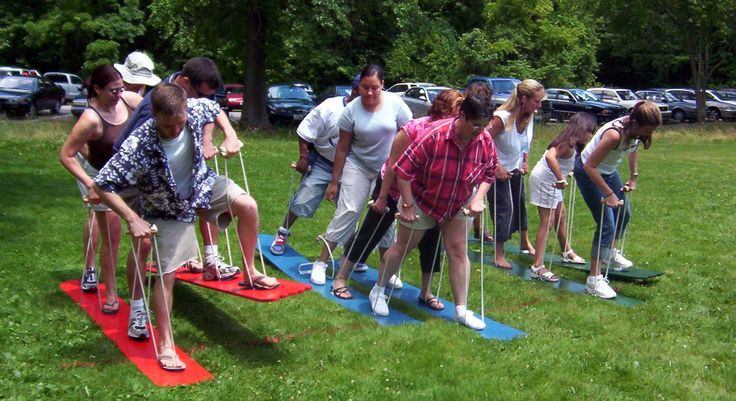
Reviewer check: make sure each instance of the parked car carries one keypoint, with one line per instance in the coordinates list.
(334, 90)
(420, 98)
(721, 96)
(501, 87)
(307, 87)
(71, 83)
(28, 95)
(288, 102)
(79, 103)
(628, 99)
(560, 104)
(681, 111)
(714, 109)
(17, 71)
(234, 95)
(402, 87)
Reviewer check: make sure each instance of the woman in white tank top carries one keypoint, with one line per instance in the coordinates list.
(597, 177)
(546, 184)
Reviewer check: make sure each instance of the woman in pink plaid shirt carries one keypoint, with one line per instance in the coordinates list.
(437, 177)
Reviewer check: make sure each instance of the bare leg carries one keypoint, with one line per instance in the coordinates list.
(90, 249)
(141, 247)
(541, 242)
(500, 256)
(109, 228)
(406, 240)
(453, 235)
(244, 207)
(525, 243)
(209, 232)
(163, 301)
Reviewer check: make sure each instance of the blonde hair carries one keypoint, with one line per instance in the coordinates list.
(528, 88)
(644, 113)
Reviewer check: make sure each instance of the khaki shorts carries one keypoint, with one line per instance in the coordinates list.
(224, 192)
(83, 191)
(174, 244)
(425, 222)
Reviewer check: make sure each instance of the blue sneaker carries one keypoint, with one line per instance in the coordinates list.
(278, 246)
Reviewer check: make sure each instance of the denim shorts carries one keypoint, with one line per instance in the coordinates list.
(312, 188)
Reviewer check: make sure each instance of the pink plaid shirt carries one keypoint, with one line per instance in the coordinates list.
(442, 174)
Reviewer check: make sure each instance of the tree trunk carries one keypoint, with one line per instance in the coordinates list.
(254, 113)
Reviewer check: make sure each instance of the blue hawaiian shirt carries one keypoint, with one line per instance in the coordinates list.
(141, 163)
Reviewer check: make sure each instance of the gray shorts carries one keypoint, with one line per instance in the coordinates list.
(92, 173)
(224, 192)
(174, 244)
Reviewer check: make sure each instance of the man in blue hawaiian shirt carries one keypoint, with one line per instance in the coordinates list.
(163, 160)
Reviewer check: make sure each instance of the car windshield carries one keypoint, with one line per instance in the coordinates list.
(343, 90)
(433, 93)
(730, 96)
(503, 85)
(234, 89)
(17, 83)
(627, 95)
(288, 92)
(583, 95)
(670, 97)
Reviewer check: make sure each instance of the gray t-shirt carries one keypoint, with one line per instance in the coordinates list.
(373, 133)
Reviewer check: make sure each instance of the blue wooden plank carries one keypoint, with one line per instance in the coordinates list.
(289, 263)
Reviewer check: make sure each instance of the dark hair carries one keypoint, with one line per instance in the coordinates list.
(444, 104)
(168, 100)
(201, 70)
(476, 106)
(101, 76)
(479, 88)
(579, 124)
(371, 70)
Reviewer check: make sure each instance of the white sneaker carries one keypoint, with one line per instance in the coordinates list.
(619, 261)
(378, 302)
(470, 321)
(137, 325)
(360, 267)
(317, 276)
(597, 286)
(395, 283)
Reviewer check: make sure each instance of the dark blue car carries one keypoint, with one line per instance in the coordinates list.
(561, 104)
(21, 95)
(288, 103)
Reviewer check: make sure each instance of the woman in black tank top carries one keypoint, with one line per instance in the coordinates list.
(92, 137)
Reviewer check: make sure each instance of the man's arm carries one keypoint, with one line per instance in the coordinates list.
(137, 227)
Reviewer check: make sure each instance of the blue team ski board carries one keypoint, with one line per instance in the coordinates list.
(289, 263)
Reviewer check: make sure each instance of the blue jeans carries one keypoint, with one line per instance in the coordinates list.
(313, 186)
(592, 196)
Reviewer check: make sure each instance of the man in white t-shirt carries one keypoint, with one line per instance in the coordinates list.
(318, 134)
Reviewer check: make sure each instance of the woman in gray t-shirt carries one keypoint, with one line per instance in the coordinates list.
(368, 126)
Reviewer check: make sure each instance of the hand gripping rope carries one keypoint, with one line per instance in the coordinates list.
(618, 208)
(629, 198)
(240, 242)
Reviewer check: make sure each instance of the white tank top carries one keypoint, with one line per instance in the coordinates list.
(544, 172)
(613, 159)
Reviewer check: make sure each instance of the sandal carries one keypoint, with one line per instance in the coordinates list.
(110, 308)
(541, 273)
(529, 251)
(168, 360)
(571, 257)
(259, 283)
(341, 293)
(432, 303)
(487, 237)
(194, 266)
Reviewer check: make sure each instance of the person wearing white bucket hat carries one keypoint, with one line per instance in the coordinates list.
(137, 72)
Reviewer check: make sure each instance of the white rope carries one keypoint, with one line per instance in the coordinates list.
(629, 198)
(398, 273)
(227, 235)
(365, 248)
(113, 263)
(138, 279)
(160, 272)
(90, 228)
(570, 214)
(247, 189)
(434, 262)
(246, 268)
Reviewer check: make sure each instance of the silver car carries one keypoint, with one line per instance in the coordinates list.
(420, 98)
(71, 83)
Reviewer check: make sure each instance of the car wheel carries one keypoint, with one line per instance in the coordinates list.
(713, 114)
(678, 116)
(56, 107)
(32, 111)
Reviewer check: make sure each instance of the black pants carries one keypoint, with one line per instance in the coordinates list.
(510, 213)
(375, 225)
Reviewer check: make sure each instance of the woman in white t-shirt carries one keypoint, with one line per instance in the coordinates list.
(596, 173)
(368, 126)
(547, 181)
(512, 129)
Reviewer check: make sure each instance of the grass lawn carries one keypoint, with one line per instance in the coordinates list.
(679, 344)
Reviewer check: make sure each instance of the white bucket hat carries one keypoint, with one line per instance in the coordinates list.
(138, 69)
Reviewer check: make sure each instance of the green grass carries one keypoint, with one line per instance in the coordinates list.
(679, 344)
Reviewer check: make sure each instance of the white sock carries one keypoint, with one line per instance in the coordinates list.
(461, 310)
(136, 305)
(210, 254)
